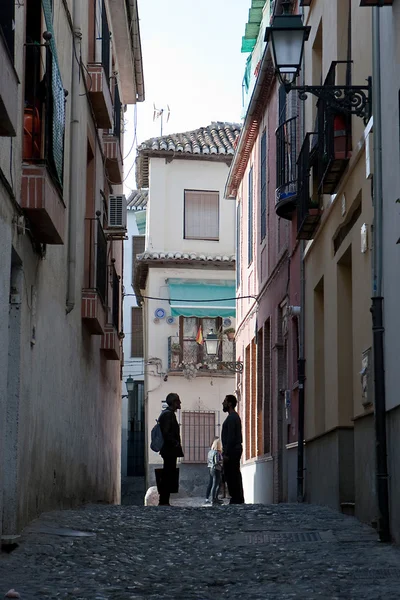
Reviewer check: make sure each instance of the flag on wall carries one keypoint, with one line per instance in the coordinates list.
(199, 336)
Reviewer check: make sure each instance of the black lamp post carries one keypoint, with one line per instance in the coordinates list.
(287, 35)
(130, 386)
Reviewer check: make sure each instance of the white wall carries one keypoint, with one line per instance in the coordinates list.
(164, 231)
(258, 481)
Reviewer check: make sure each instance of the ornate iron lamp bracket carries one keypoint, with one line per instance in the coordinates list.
(237, 366)
(355, 99)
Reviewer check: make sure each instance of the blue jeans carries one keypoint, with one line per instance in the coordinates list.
(215, 485)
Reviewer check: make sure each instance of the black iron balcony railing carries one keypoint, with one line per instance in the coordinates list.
(96, 258)
(44, 113)
(308, 211)
(286, 168)
(334, 137)
(115, 297)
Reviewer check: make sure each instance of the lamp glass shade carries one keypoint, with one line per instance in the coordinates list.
(211, 343)
(287, 36)
(130, 384)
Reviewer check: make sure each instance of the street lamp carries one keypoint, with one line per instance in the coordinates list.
(211, 346)
(130, 386)
(287, 36)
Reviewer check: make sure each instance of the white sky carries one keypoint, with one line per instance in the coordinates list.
(192, 62)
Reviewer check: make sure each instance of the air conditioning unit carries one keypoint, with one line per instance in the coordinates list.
(117, 212)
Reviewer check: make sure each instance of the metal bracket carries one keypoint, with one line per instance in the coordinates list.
(355, 100)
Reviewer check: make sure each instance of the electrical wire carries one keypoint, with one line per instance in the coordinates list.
(192, 300)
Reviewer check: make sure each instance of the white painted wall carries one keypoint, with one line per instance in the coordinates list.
(257, 481)
(168, 181)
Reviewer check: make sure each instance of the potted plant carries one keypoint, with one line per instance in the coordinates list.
(230, 333)
(175, 348)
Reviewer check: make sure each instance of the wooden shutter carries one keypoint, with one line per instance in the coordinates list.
(201, 215)
(137, 248)
(137, 333)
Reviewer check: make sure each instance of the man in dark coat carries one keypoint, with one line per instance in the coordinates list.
(172, 447)
(231, 437)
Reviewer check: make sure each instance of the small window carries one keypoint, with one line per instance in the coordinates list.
(201, 220)
(137, 333)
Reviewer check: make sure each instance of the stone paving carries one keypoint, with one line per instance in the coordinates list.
(190, 552)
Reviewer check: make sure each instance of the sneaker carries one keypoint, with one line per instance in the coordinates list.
(207, 501)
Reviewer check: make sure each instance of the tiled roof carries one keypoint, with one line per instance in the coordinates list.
(216, 141)
(138, 199)
(182, 256)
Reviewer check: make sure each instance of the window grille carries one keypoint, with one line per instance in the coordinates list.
(199, 430)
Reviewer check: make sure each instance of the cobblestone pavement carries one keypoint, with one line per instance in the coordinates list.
(197, 553)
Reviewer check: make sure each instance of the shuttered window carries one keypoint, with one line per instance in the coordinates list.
(250, 220)
(137, 248)
(238, 226)
(263, 187)
(137, 333)
(201, 220)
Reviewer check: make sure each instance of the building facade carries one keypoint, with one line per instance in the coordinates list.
(262, 178)
(185, 279)
(68, 70)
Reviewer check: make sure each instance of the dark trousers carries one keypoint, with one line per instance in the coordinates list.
(167, 476)
(233, 478)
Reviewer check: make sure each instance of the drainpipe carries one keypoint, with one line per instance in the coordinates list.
(301, 376)
(74, 163)
(301, 363)
(377, 298)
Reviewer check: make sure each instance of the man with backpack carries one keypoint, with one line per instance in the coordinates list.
(171, 447)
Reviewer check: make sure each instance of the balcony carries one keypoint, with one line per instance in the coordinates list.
(334, 138)
(308, 211)
(8, 90)
(99, 95)
(95, 278)
(112, 144)
(110, 344)
(286, 169)
(43, 146)
(187, 357)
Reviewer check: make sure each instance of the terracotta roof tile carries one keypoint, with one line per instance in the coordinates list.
(138, 199)
(218, 139)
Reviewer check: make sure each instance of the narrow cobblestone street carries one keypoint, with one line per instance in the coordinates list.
(258, 552)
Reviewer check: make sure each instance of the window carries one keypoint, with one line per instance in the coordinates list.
(250, 219)
(201, 215)
(138, 242)
(188, 330)
(263, 180)
(267, 387)
(238, 225)
(137, 333)
(198, 433)
(7, 10)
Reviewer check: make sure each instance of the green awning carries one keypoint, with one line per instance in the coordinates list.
(217, 298)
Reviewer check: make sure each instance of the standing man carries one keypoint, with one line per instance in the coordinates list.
(172, 447)
(232, 449)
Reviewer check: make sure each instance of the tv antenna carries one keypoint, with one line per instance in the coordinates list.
(158, 113)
